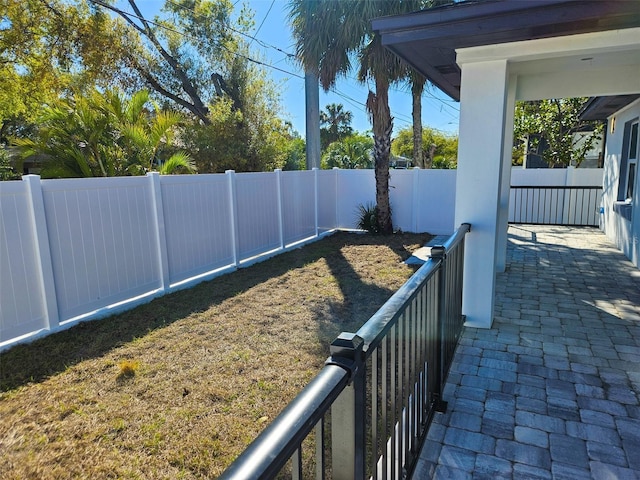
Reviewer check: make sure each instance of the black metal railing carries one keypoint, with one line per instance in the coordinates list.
(365, 415)
(578, 206)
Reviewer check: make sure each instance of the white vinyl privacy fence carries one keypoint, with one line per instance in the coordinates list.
(79, 248)
(84, 248)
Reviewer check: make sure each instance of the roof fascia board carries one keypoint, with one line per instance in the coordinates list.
(494, 22)
(544, 48)
(451, 13)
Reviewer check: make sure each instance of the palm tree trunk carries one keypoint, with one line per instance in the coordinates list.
(378, 106)
(417, 87)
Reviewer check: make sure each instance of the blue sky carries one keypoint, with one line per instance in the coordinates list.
(274, 35)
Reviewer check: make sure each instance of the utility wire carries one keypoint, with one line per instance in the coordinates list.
(263, 20)
(165, 27)
(240, 32)
(360, 105)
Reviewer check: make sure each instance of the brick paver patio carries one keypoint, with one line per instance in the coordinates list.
(553, 389)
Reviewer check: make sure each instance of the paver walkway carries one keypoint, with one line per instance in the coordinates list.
(553, 389)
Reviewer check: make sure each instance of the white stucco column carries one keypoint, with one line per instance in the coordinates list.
(483, 97)
(505, 176)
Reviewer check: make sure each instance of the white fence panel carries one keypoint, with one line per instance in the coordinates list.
(22, 308)
(102, 241)
(402, 189)
(570, 176)
(538, 176)
(70, 248)
(354, 188)
(298, 205)
(257, 214)
(198, 223)
(327, 199)
(436, 202)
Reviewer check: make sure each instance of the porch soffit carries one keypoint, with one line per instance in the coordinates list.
(428, 40)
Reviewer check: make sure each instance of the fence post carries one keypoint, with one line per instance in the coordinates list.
(160, 231)
(42, 250)
(316, 200)
(414, 200)
(278, 173)
(233, 214)
(348, 411)
(439, 253)
(337, 203)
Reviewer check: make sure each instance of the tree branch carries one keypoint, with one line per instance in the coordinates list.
(155, 84)
(197, 107)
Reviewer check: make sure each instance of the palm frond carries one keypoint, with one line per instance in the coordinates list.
(178, 163)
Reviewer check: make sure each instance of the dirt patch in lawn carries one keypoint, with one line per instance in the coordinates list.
(179, 387)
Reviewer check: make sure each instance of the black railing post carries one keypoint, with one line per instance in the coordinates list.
(439, 253)
(348, 411)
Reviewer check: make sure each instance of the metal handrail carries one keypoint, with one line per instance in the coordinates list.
(401, 412)
(269, 452)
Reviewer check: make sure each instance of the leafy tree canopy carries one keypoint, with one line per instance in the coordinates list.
(49, 47)
(439, 149)
(104, 135)
(549, 127)
(354, 151)
(192, 59)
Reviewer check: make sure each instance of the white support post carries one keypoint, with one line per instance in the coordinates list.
(42, 250)
(233, 214)
(159, 230)
(480, 160)
(278, 173)
(316, 200)
(505, 177)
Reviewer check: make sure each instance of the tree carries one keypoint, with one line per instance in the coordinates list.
(335, 124)
(328, 34)
(439, 151)
(104, 135)
(553, 128)
(48, 48)
(417, 87)
(7, 171)
(192, 57)
(354, 151)
(195, 58)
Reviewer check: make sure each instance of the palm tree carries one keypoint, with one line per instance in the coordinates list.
(104, 135)
(328, 35)
(417, 87)
(336, 124)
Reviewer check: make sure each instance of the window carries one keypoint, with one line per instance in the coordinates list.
(632, 161)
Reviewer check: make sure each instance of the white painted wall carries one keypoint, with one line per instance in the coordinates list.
(615, 226)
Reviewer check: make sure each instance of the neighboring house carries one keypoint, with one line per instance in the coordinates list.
(621, 196)
(534, 149)
(490, 54)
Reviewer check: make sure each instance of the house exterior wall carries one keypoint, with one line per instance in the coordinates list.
(618, 221)
(492, 76)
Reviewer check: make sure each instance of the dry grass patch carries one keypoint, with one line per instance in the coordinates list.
(179, 387)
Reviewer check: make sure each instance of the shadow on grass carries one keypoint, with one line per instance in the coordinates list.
(55, 353)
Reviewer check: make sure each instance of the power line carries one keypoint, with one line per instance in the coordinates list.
(165, 27)
(265, 17)
(240, 32)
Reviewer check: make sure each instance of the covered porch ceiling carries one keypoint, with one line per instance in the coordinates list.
(428, 39)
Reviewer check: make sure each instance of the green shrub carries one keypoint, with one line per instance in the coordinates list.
(368, 218)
